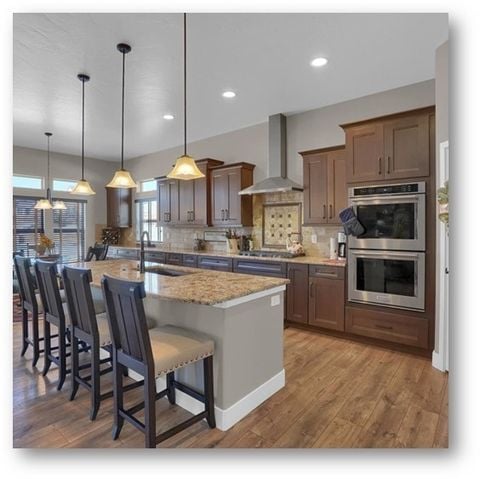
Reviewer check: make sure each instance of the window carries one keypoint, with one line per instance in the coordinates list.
(69, 231)
(146, 211)
(63, 185)
(148, 185)
(28, 223)
(32, 182)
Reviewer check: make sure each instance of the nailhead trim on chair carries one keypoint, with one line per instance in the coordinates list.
(181, 365)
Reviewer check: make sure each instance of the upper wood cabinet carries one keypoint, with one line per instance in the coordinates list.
(324, 183)
(389, 148)
(228, 207)
(119, 207)
(168, 201)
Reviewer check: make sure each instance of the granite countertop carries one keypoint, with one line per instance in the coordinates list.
(314, 260)
(197, 286)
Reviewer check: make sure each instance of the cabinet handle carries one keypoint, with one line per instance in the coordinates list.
(226, 214)
(331, 212)
(223, 215)
(388, 165)
(192, 215)
(381, 326)
(324, 211)
(311, 289)
(379, 165)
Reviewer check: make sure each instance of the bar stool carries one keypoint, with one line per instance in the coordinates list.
(89, 328)
(56, 313)
(30, 302)
(98, 251)
(151, 353)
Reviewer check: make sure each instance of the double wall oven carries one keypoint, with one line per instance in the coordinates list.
(387, 262)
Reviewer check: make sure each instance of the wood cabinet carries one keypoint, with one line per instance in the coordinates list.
(327, 297)
(215, 263)
(228, 207)
(168, 201)
(388, 148)
(325, 185)
(275, 269)
(297, 293)
(119, 207)
(155, 256)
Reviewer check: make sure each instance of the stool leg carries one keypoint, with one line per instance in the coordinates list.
(208, 390)
(62, 356)
(24, 331)
(95, 392)
(171, 387)
(149, 392)
(74, 373)
(47, 344)
(117, 397)
(36, 338)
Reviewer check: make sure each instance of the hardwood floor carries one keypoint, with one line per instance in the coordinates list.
(338, 393)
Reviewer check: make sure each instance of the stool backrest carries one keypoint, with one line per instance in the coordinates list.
(26, 282)
(98, 251)
(76, 283)
(126, 318)
(46, 273)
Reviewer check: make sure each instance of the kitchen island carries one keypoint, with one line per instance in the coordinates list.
(243, 314)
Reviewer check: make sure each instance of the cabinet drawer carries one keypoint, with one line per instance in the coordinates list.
(155, 257)
(127, 253)
(174, 258)
(393, 327)
(190, 260)
(263, 268)
(211, 262)
(321, 271)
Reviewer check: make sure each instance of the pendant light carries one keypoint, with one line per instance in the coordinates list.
(83, 186)
(185, 167)
(122, 177)
(46, 203)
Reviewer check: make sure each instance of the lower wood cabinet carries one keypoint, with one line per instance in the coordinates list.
(216, 263)
(174, 258)
(297, 293)
(394, 327)
(155, 256)
(190, 260)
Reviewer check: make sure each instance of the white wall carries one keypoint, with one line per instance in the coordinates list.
(28, 161)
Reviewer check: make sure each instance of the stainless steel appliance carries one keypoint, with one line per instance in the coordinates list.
(393, 216)
(387, 278)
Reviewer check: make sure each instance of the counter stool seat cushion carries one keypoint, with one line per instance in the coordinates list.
(174, 347)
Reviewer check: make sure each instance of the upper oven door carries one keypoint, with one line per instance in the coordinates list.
(395, 222)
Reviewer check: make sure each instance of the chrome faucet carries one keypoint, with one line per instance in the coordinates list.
(142, 250)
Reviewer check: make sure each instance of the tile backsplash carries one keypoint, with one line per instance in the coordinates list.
(183, 237)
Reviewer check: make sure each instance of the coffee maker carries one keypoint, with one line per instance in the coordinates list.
(342, 245)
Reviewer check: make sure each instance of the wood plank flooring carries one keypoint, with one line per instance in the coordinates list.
(338, 394)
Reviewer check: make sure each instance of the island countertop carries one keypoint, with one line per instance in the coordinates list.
(195, 286)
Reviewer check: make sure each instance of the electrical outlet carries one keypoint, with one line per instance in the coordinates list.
(275, 300)
(314, 239)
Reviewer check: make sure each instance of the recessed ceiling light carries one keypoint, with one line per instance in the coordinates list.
(228, 94)
(168, 117)
(319, 62)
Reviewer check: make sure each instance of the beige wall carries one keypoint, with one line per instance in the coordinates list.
(28, 161)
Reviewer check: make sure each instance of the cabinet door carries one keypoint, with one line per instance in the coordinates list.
(315, 192)
(119, 207)
(113, 215)
(199, 215)
(163, 196)
(326, 304)
(407, 152)
(187, 201)
(337, 185)
(297, 293)
(233, 213)
(174, 201)
(364, 148)
(219, 196)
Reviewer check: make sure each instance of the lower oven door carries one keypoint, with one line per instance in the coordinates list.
(387, 278)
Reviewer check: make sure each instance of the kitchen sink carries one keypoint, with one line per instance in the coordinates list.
(165, 271)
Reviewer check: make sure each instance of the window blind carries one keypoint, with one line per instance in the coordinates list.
(69, 230)
(146, 212)
(28, 223)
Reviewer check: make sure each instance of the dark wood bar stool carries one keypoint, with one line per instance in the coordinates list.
(98, 252)
(30, 303)
(89, 328)
(56, 313)
(152, 353)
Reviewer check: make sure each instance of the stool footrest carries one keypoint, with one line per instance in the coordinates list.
(180, 427)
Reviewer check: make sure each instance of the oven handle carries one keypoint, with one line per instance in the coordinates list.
(383, 254)
(368, 200)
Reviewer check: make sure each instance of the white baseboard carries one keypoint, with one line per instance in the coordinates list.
(438, 362)
(226, 418)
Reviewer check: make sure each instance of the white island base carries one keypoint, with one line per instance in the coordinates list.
(248, 359)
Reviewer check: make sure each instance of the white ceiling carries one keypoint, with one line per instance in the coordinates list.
(264, 58)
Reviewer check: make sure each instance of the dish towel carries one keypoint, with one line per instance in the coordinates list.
(350, 222)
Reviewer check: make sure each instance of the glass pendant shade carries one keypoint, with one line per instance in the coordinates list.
(43, 204)
(59, 205)
(82, 188)
(185, 169)
(122, 179)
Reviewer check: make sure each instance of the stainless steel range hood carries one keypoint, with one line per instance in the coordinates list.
(277, 180)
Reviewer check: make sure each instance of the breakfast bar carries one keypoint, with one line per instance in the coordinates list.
(243, 314)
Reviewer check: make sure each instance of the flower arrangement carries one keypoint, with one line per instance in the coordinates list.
(442, 197)
(44, 243)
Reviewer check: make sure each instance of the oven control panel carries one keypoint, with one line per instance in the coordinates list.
(377, 190)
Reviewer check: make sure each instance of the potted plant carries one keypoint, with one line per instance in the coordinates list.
(44, 244)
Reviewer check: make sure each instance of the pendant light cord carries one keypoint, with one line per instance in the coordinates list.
(123, 105)
(83, 130)
(185, 84)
